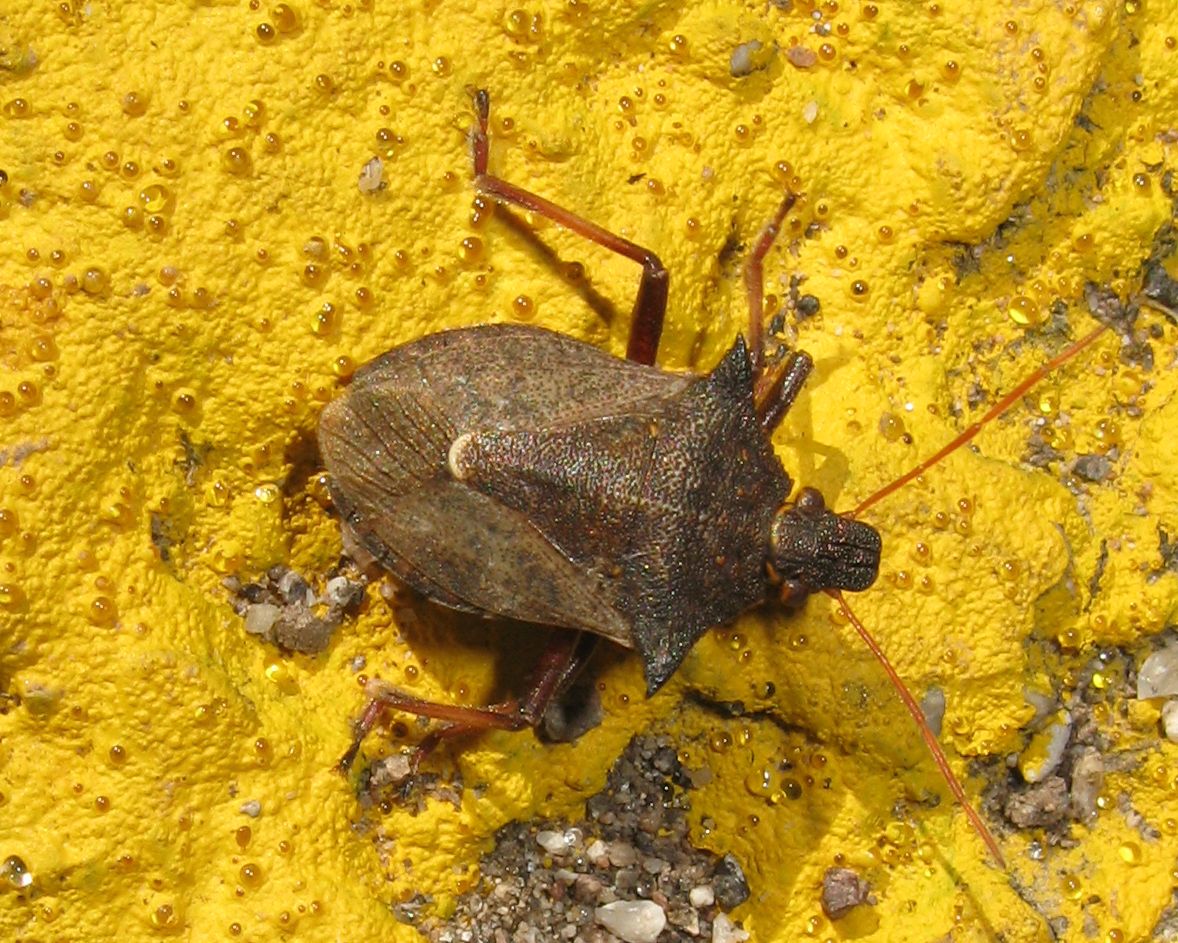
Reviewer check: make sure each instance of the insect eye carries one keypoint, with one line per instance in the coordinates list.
(810, 500)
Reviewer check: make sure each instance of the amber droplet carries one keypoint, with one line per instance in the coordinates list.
(134, 104)
(102, 611)
(523, 307)
(237, 161)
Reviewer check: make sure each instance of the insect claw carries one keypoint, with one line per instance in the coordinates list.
(482, 105)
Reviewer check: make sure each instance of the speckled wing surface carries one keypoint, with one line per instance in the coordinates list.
(387, 442)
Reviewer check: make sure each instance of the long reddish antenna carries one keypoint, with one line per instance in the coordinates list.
(974, 428)
(930, 739)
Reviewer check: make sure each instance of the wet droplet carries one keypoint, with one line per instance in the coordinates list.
(134, 104)
(471, 249)
(95, 281)
(164, 917)
(891, 427)
(101, 611)
(1024, 311)
(279, 675)
(286, 20)
(523, 307)
(324, 322)
(237, 161)
(155, 198)
(15, 872)
(759, 783)
(11, 596)
(1108, 434)
(267, 492)
(183, 401)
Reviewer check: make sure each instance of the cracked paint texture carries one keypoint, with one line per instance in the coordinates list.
(189, 270)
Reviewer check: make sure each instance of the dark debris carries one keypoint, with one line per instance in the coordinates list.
(282, 607)
(546, 880)
(842, 891)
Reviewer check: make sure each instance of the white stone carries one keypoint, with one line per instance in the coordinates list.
(701, 896)
(260, 618)
(1158, 674)
(372, 176)
(634, 921)
(725, 931)
(558, 843)
(1043, 754)
(1170, 721)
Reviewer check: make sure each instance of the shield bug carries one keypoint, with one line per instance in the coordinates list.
(507, 470)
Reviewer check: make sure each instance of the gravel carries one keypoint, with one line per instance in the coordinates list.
(625, 872)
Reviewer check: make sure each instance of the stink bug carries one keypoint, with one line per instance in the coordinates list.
(511, 471)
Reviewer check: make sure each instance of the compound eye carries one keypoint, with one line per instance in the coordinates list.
(793, 594)
(810, 500)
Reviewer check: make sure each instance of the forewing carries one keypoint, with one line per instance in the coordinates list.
(386, 445)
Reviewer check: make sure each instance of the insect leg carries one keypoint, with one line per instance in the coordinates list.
(754, 283)
(650, 305)
(558, 665)
(776, 385)
(505, 716)
(779, 386)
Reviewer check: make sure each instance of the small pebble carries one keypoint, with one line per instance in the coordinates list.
(1087, 781)
(1092, 467)
(745, 59)
(932, 705)
(1158, 674)
(1045, 751)
(725, 931)
(729, 884)
(800, 57)
(1041, 805)
(842, 891)
(372, 176)
(634, 921)
(260, 618)
(558, 843)
(701, 896)
(1170, 721)
(622, 855)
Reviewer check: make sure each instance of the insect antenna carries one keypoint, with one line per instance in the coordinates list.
(905, 695)
(930, 738)
(974, 428)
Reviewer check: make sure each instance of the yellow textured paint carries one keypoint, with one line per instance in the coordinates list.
(164, 355)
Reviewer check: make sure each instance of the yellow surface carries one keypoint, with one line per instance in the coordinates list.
(168, 172)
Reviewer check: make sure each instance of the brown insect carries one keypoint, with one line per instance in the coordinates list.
(511, 471)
